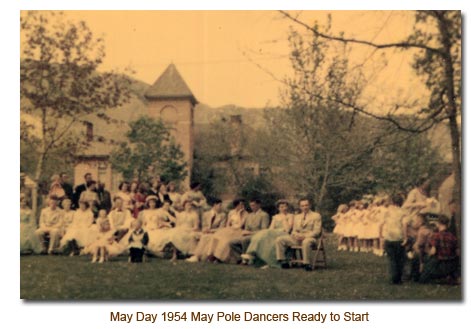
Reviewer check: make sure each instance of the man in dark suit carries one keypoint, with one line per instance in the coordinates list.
(66, 186)
(104, 197)
(80, 188)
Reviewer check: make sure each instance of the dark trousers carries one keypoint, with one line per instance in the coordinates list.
(397, 256)
(136, 254)
(437, 269)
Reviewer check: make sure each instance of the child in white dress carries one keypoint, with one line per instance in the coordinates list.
(105, 240)
(340, 221)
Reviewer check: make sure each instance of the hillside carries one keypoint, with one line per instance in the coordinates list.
(113, 131)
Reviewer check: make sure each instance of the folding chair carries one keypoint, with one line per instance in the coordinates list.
(318, 255)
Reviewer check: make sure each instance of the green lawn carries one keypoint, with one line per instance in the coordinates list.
(350, 276)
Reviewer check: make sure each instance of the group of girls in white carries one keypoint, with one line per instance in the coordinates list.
(358, 224)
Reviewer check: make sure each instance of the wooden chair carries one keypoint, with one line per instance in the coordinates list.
(318, 255)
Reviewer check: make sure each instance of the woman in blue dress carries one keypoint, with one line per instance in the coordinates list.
(262, 244)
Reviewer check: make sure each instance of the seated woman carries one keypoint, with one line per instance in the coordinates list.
(67, 220)
(213, 220)
(186, 233)
(262, 244)
(157, 222)
(28, 241)
(220, 249)
(82, 231)
(120, 220)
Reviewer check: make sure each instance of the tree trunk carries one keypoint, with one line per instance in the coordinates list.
(323, 188)
(452, 112)
(39, 165)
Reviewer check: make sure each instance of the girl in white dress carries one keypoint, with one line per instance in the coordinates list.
(340, 222)
(105, 242)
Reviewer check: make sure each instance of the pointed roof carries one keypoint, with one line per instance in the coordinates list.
(170, 85)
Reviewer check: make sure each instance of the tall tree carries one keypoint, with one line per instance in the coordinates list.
(150, 150)
(59, 78)
(436, 43)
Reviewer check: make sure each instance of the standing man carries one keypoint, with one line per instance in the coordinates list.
(80, 188)
(66, 186)
(307, 228)
(256, 220)
(393, 230)
(50, 223)
(104, 197)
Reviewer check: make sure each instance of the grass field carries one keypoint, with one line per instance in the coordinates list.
(349, 276)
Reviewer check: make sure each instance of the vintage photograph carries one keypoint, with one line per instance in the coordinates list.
(240, 155)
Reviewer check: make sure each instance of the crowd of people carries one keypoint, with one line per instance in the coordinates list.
(154, 219)
(413, 229)
(140, 220)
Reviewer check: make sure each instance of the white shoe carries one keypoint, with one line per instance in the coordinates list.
(247, 257)
(192, 259)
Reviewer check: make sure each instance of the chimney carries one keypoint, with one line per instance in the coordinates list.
(89, 131)
(236, 134)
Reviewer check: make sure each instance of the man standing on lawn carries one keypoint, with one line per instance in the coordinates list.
(307, 228)
(393, 230)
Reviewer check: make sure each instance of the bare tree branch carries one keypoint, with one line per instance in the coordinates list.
(402, 44)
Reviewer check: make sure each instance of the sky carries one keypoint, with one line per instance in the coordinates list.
(237, 57)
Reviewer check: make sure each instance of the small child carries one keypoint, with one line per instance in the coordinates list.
(138, 241)
(105, 239)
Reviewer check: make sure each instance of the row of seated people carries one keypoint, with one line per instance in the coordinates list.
(200, 236)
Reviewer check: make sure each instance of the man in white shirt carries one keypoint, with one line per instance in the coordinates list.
(307, 228)
(50, 223)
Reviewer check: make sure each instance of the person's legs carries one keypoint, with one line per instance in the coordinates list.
(53, 240)
(40, 235)
(306, 247)
(396, 260)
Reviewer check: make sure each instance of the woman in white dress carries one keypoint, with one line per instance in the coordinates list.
(221, 245)
(91, 197)
(125, 195)
(120, 221)
(157, 222)
(29, 243)
(67, 220)
(174, 196)
(184, 237)
(82, 230)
